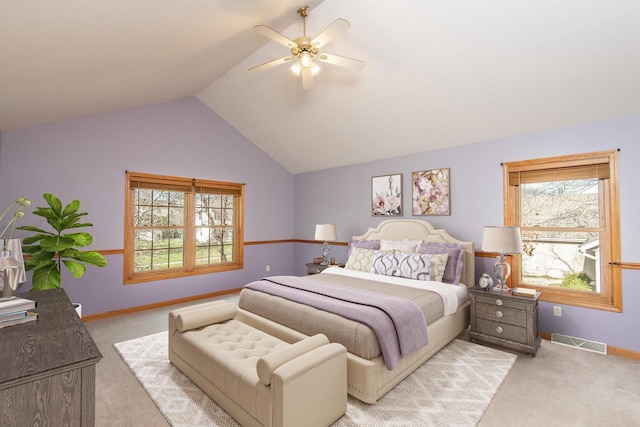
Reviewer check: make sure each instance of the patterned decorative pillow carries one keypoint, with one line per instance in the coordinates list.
(407, 246)
(438, 265)
(410, 266)
(360, 259)
(453, 269)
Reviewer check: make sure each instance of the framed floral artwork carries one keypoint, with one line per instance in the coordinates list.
(386, 195)
(431, 192)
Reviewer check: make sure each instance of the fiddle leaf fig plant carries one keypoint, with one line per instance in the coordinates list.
(49, 250)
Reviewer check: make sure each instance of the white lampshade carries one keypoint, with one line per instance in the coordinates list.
(326, 232)
(502, 240)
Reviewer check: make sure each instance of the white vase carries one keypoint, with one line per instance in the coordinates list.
(78, 308)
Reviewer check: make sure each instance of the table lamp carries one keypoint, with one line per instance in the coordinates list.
(325, 233)
(505, 241)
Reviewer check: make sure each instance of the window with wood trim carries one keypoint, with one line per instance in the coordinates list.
(567, 209)
(178, 227)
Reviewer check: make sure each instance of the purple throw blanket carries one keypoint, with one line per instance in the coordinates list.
(398, 323)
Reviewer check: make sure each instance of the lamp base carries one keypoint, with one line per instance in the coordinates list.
(325, 253)
(502, 270)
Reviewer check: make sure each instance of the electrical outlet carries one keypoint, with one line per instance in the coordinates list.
(268, 268)
(557, 311)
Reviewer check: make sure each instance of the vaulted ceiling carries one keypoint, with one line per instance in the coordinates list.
(437, 73)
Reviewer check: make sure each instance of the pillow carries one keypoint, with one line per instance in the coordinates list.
(360, 259)
(410, 266)
(364, 244)
(438, 264)
(408, 246)
(453, 269)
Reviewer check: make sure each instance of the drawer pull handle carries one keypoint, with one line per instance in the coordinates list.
(499, 314)
(499, 329)
(499, 302)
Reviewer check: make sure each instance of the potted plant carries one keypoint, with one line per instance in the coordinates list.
(49, 250)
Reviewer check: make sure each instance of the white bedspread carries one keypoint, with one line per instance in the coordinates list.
(452, 295)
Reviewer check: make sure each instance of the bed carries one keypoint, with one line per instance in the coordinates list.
(445, 305)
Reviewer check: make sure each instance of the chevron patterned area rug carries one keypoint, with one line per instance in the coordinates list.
(453, 388)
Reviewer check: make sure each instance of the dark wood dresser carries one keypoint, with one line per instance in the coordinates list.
(505, 319)
(47, 367)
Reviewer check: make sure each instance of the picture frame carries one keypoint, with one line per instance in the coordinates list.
(430, 192)
(386, 195)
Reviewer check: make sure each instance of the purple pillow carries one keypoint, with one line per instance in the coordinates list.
(453, 269)
(364, 244)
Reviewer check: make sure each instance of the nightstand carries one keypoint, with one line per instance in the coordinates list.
(505, 319)
(317, 268)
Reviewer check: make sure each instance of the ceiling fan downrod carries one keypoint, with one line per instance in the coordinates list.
(304, 11)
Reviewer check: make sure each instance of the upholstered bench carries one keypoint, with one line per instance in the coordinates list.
(258, 379)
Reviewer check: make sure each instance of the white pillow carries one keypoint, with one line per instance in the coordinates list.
(408, 246)
(410, 266)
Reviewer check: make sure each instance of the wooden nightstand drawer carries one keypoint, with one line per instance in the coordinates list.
(499, 300)
(501, 314)
(501, 330)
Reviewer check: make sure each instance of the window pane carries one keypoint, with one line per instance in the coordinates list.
(228, 236)
(228, 202)
(176, 257)
(176, 239)
(143, 197)
(176, 199)
(143, 239)
(566, 204)
(561, 259)
(218, 254)
(160, 198)
(160, 259)
(142, 261)
(202, 236)
(216, 201)
(202, 255)
(176, 216)
(160, 217)
(228, 217)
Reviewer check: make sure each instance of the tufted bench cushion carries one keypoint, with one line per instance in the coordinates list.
(225, 360)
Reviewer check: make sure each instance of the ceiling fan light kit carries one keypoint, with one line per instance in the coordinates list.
(307, 50)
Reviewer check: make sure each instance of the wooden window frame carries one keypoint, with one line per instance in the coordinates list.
(190, 187)
(610, 298)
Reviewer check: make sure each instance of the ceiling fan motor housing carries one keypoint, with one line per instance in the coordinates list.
(303, 44)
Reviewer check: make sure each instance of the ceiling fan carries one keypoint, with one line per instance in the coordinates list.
(306, 50)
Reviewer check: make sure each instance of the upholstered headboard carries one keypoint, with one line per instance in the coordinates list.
(413, 229)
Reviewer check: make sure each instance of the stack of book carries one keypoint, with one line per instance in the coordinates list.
(14, 311)
(525, 292)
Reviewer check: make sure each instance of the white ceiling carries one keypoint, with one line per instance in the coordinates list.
(437, 73)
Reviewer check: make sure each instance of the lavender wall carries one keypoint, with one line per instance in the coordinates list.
(342, 196)
(86, 159)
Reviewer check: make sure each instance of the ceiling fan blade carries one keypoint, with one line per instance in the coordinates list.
(342, 61)
(271, 64)
(338, 26)
(307, 78)
(274, 35)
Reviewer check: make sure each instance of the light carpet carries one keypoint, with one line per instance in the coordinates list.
(453, 388)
